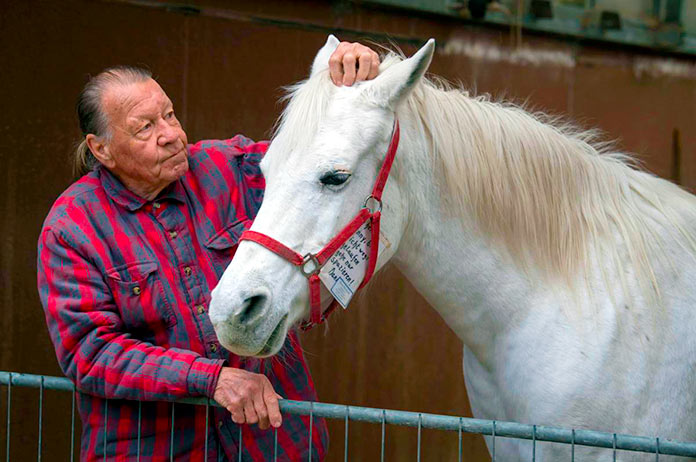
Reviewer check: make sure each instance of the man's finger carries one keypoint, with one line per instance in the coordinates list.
(349, 68)
(250, 413)
(336, 65)
(261, 411)
(365, 62)
(237, 414)
(270, 397)
(374, 67)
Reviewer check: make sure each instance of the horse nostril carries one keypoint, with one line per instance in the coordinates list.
(251, 308)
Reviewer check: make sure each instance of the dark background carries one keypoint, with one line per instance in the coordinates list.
(223, 63)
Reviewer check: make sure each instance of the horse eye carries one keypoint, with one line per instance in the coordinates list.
(334, 178)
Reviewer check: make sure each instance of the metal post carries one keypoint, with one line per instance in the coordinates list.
(460, 440)
(240, 446)
(140, 421)
(384, 423)
(311, 422)
(41, 393)
(534, 443)
(207, 416)
(72, 426)
(420, 424)
(275, 445)
(171, 437)
(493, 443)
(9, 406)
(345, 442)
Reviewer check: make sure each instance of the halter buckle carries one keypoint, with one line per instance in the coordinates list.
(316, 267)
(372, 204)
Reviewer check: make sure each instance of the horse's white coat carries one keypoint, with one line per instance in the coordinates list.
(595, 353)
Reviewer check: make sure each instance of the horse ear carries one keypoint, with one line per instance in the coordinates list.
(321, 60)
(395, 83)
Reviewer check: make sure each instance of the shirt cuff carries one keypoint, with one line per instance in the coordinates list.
(203, 376)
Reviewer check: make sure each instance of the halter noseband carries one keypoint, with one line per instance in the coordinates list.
(310, 264)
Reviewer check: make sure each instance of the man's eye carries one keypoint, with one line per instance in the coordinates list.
(169, 115)
(334, 178)
(145, 127)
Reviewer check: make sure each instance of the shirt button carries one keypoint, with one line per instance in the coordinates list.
(156, 205)
(188, 271)
(136, 290)
(213, 347)
(200, 309)
(172, 234)
(219, 423)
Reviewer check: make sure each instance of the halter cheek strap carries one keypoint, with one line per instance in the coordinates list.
(310, 264)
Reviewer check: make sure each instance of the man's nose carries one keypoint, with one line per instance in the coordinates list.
(167, 134)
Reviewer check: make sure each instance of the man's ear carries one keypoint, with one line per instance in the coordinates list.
(395, 83)
(321, 60)
(100, 150)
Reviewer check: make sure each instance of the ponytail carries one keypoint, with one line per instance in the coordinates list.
(83, 160)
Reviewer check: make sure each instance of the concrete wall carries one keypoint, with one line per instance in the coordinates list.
(223, 63)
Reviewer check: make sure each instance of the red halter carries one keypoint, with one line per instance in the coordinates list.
(310, 264)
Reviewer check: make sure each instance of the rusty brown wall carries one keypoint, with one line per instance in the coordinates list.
(223, 67)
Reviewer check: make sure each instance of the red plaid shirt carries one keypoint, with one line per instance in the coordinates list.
(125, 284)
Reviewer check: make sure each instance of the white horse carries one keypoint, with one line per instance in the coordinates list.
(569, 276)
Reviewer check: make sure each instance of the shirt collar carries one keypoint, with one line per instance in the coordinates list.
(123, 196)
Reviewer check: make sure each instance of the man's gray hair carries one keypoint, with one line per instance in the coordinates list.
(91, 115)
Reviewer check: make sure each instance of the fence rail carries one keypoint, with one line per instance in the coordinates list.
(495, 429)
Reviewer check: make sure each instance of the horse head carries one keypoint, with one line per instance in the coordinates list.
(321, 165)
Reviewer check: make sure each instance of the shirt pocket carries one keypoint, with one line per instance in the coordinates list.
(139, 296)
(223, 244)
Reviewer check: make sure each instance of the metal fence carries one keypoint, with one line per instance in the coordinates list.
(384, 417)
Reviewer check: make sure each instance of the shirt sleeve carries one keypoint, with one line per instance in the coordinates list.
(88, 335)
(251, 154)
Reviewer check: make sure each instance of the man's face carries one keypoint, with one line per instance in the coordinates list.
(148, 145)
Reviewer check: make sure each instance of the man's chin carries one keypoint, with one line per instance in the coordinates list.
(179, 168)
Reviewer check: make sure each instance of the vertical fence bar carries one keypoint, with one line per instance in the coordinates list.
(420, 424)
(275, 445)
(311, 421)
(9, 405)
(613, 447)
(171, 438)
(493, 443)
(345, 442)
(140, 426)
(657, 449)
(384, 424)
(72, 425)
(207, 417)
(534, 443)
(41, 393)
(240, 446)
(572, 445)
(459, 434)
(106, 413)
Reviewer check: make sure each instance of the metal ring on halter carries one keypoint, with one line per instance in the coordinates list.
(376, 204)
(310, 258)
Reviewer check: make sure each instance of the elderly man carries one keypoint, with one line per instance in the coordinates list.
(128, 256)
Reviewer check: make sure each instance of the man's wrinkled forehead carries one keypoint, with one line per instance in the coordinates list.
(127, 101)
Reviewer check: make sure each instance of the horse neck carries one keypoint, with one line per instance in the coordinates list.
(471, 284)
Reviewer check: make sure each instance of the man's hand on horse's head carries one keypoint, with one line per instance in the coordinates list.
(353, 62)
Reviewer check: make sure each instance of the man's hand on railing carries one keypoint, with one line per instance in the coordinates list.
(249, 397)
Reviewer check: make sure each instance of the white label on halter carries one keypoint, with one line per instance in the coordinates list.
(345, 270)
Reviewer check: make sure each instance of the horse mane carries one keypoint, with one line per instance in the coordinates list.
(550, 193)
